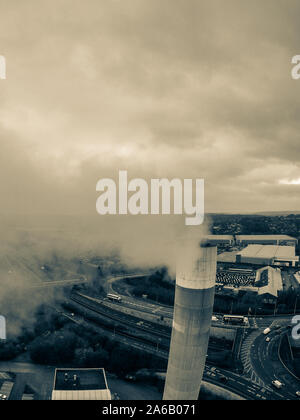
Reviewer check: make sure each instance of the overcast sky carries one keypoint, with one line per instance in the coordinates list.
(162, 88)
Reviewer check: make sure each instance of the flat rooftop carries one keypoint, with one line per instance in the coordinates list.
(268, 251)
(80, 384)
(79, 379)
(264, 237)
(220, 237)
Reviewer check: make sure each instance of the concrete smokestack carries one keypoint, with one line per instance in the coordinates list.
(194, 299)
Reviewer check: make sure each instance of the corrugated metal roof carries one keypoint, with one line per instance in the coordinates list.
(264, 237)
(92, 395)
(274, 282)
(268, 251)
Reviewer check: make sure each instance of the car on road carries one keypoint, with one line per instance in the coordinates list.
(277, 384)
(223, 379)
(267, 331)
(276, 327)
(268, 339)
(298, 394)
(130, 378)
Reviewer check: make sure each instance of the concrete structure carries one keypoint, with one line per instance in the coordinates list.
(220, 239)
(266, 240)
(268, 255)
(194, 298)
(80, 384)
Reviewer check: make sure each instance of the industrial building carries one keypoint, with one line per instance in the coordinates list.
(193, 307)
(268, 255)
(14, 386)
(269, 292)
(266, 240)
(220, 240)
(80, 384)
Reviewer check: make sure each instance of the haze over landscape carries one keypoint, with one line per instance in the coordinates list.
(162, 89)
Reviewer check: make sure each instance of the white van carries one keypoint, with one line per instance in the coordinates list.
(277, 384)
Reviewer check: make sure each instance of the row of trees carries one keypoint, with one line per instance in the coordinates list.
(74, 345)
(158, 287)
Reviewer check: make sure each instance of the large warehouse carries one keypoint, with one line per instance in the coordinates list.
(268, 255)
(266, 240)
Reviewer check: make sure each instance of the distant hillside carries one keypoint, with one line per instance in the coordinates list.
(278, 213)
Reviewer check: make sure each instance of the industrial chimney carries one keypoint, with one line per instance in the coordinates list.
(193, 307)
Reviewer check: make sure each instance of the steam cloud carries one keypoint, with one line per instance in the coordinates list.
(61, 242)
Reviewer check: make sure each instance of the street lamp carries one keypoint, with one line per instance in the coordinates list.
(158, 341)
(295, 309)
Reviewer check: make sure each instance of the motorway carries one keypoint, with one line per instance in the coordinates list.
(230, 381)
(263, 357)
(165, 311)
(266, 362)
(263, 365)
(263, 360)
(141, 305)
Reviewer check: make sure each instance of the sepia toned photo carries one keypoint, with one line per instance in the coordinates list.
(149, 203)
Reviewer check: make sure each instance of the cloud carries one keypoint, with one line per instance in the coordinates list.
(161, 88)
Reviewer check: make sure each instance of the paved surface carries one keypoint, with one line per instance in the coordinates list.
(260, 359)
(266, 363)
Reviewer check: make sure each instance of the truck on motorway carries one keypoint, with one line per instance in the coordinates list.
(277, 384)
(114, 298)
(267, 331)
(235, 319)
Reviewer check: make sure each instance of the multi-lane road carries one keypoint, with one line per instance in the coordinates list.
(264, 363)
(263, 359)
(237, 384)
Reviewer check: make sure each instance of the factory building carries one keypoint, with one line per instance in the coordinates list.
(266, 240)
(80, 384)
(268, 255)
(193, 307)
(220, 240)
(267, 285)
(269, 292)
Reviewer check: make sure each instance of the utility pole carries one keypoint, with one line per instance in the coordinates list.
(275, 308)
(295, 309)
